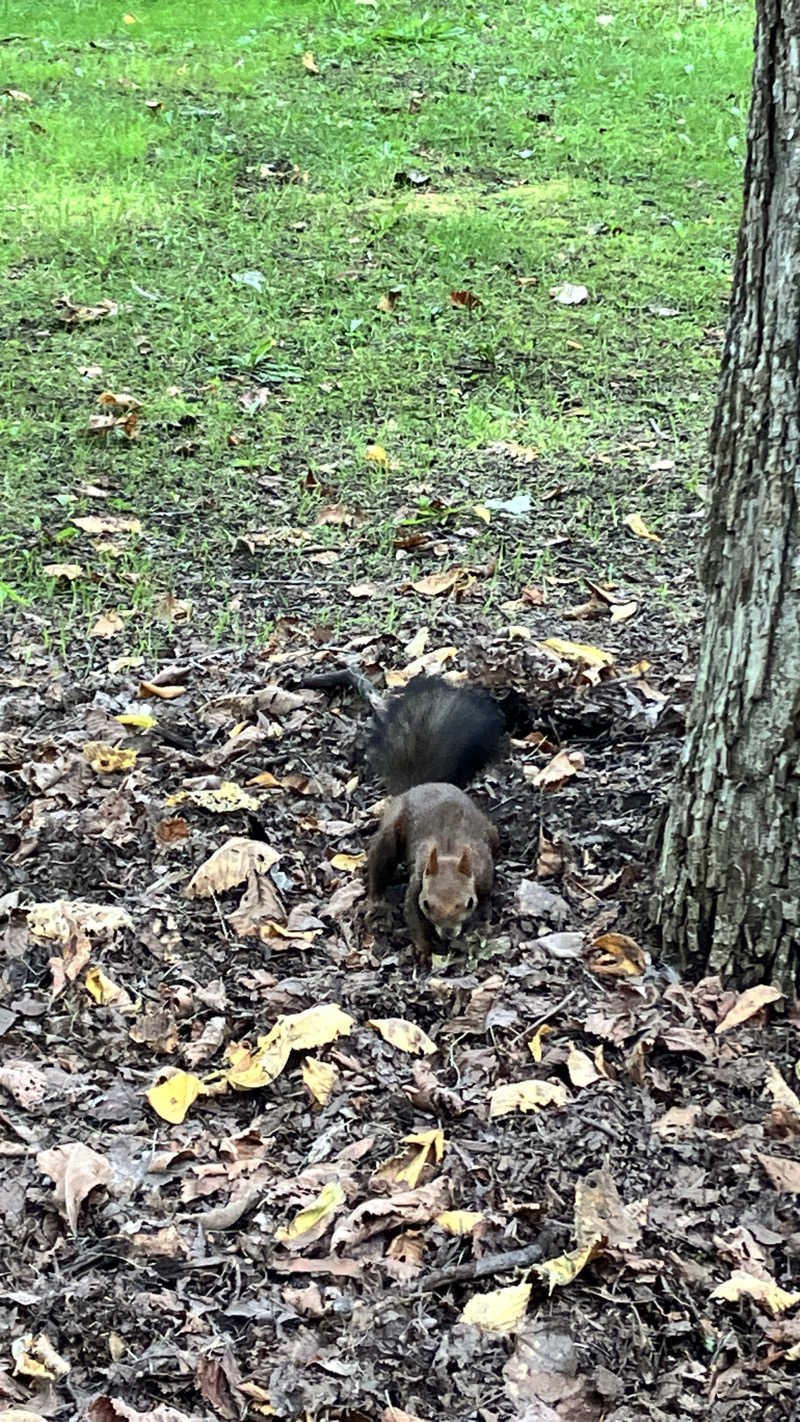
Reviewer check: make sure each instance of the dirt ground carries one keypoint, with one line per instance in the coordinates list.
(149, 1276)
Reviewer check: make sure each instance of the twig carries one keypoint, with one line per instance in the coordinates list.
(477, 1269)
(346, 676)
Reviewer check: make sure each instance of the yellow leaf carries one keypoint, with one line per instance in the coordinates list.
(105, 759)
(459, 1221)
(482, 513)
(70, 571)
(223, 801)
(407, 1167)
(376, 454)
(501, 1311)
(581, 652)
(563, 1269)
(330, 1197)
(404, 1035)
(747, 1004)
(299, 1031)
(104, 991)
(350, 862)
(266, 781)
(637, 525)
(765, 1291)
(172, 1098)
(129, 19)
(237, 859)
(527, 1096)
(616, 955)
(320, 1079)
(310, 63)
(164, 693)
(137, 721)
(317, 1026)
(535, 1042)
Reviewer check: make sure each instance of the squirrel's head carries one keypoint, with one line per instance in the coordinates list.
(447, 896)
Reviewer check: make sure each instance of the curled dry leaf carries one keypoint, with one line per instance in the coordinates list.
(76, 1170)
(319, 1078)
(108, 624)
(106, 759)
(530, 1095)
(501, 1311)
(449, 580)
(404, 1035)
(35, 1357)
(73, 315)
(105, 992)
(349, 862)
(459, 1221)
(565, 1267)
(637, 525)
(748, 1004)
(615, 955)
(592, 661)
(465, 299)
(300, 1031)
(763, 1291)
(148, 689)
(422, 1148)
(557, 771)
(785, 1113)
(311, 1223)
(235, 860)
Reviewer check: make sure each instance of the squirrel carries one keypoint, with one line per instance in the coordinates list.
(428, 743)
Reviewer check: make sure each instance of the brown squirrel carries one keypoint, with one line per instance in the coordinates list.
(428, 742)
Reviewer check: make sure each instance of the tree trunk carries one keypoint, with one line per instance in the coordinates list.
(728, 885)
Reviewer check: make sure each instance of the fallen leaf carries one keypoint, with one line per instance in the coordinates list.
(108, 624)
(300, 1031)
(569, 295)
(565, 1267)
(449, 580)
(501, 1311)
(785, 1111)
(76, 1170)
(519, 453)
(309, 63)
(616, 955)
(766, 1292)
(119, 402)
(223, 800)
(319, 1078)
(535, 1042)
(112, 523)
(70, 571)
(459, 1222)
(172, 1098)
(137, 721)
(305, 1226)
(583, 654)
(35, 1357)
(637, 525)
(106, 759)
(747, 1004)
(784, 1173)
(551, 776)
(148, 690)
(104, 991)
(422, 1148)
(73, 315)
(404, 1035)
(350, 862)
(235, 860)
(467, 299)
(376, 454)
(527, 1096)
(581, 1070)
(390, 299)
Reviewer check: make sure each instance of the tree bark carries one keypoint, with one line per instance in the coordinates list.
(728, 883)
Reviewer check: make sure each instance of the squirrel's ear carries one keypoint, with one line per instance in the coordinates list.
(465, 863)
(433, 861)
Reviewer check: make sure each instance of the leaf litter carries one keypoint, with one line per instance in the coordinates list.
(294, 1143)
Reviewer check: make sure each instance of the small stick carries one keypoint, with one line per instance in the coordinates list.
(477, 1269)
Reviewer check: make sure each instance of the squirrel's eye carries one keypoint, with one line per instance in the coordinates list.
(424, 905)
(470, 904)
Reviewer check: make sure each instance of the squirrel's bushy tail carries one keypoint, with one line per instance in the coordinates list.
(433, 730)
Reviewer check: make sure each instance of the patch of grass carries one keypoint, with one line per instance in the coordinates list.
(157, 161)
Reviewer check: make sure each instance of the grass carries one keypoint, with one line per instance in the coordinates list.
(556, 147)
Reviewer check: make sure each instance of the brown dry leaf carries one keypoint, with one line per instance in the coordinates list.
(530, 1095)
(466, 299)
(35, 1357)
(390, 1413)
(309, 63)
(164, 1243)
(76, 1170)
(390, 299)
(73, 315)
(70, 571)
(235, 860)
(113, 1409)
(170, 831)
(558, 770)
(450, 580)
(519, 453)
(401, 1210)
(677, 1123)
(601, 1214)
(24, 1084)
(106, 759)
(111, 523)
(502, 1311)
(784, 1173)
(422, 1148)
(119, 402)
(764, 1291)
(593, 661)
(319, 1078)
(581, 1070)
(404, 1035)
(260, 913)
(108, 624)
(349, 862)
(747, 1004)
(637, 525)
(430, 664)
(148, 690)
(785, 1113)
(616, 955)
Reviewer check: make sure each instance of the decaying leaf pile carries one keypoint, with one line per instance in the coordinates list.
(254, 1162)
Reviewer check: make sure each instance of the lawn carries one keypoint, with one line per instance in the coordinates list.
(388, 334)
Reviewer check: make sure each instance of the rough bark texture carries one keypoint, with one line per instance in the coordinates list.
(728, 896)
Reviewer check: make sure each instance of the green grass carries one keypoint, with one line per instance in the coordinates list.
(556, 147)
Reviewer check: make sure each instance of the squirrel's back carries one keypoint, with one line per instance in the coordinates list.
(434, 731)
